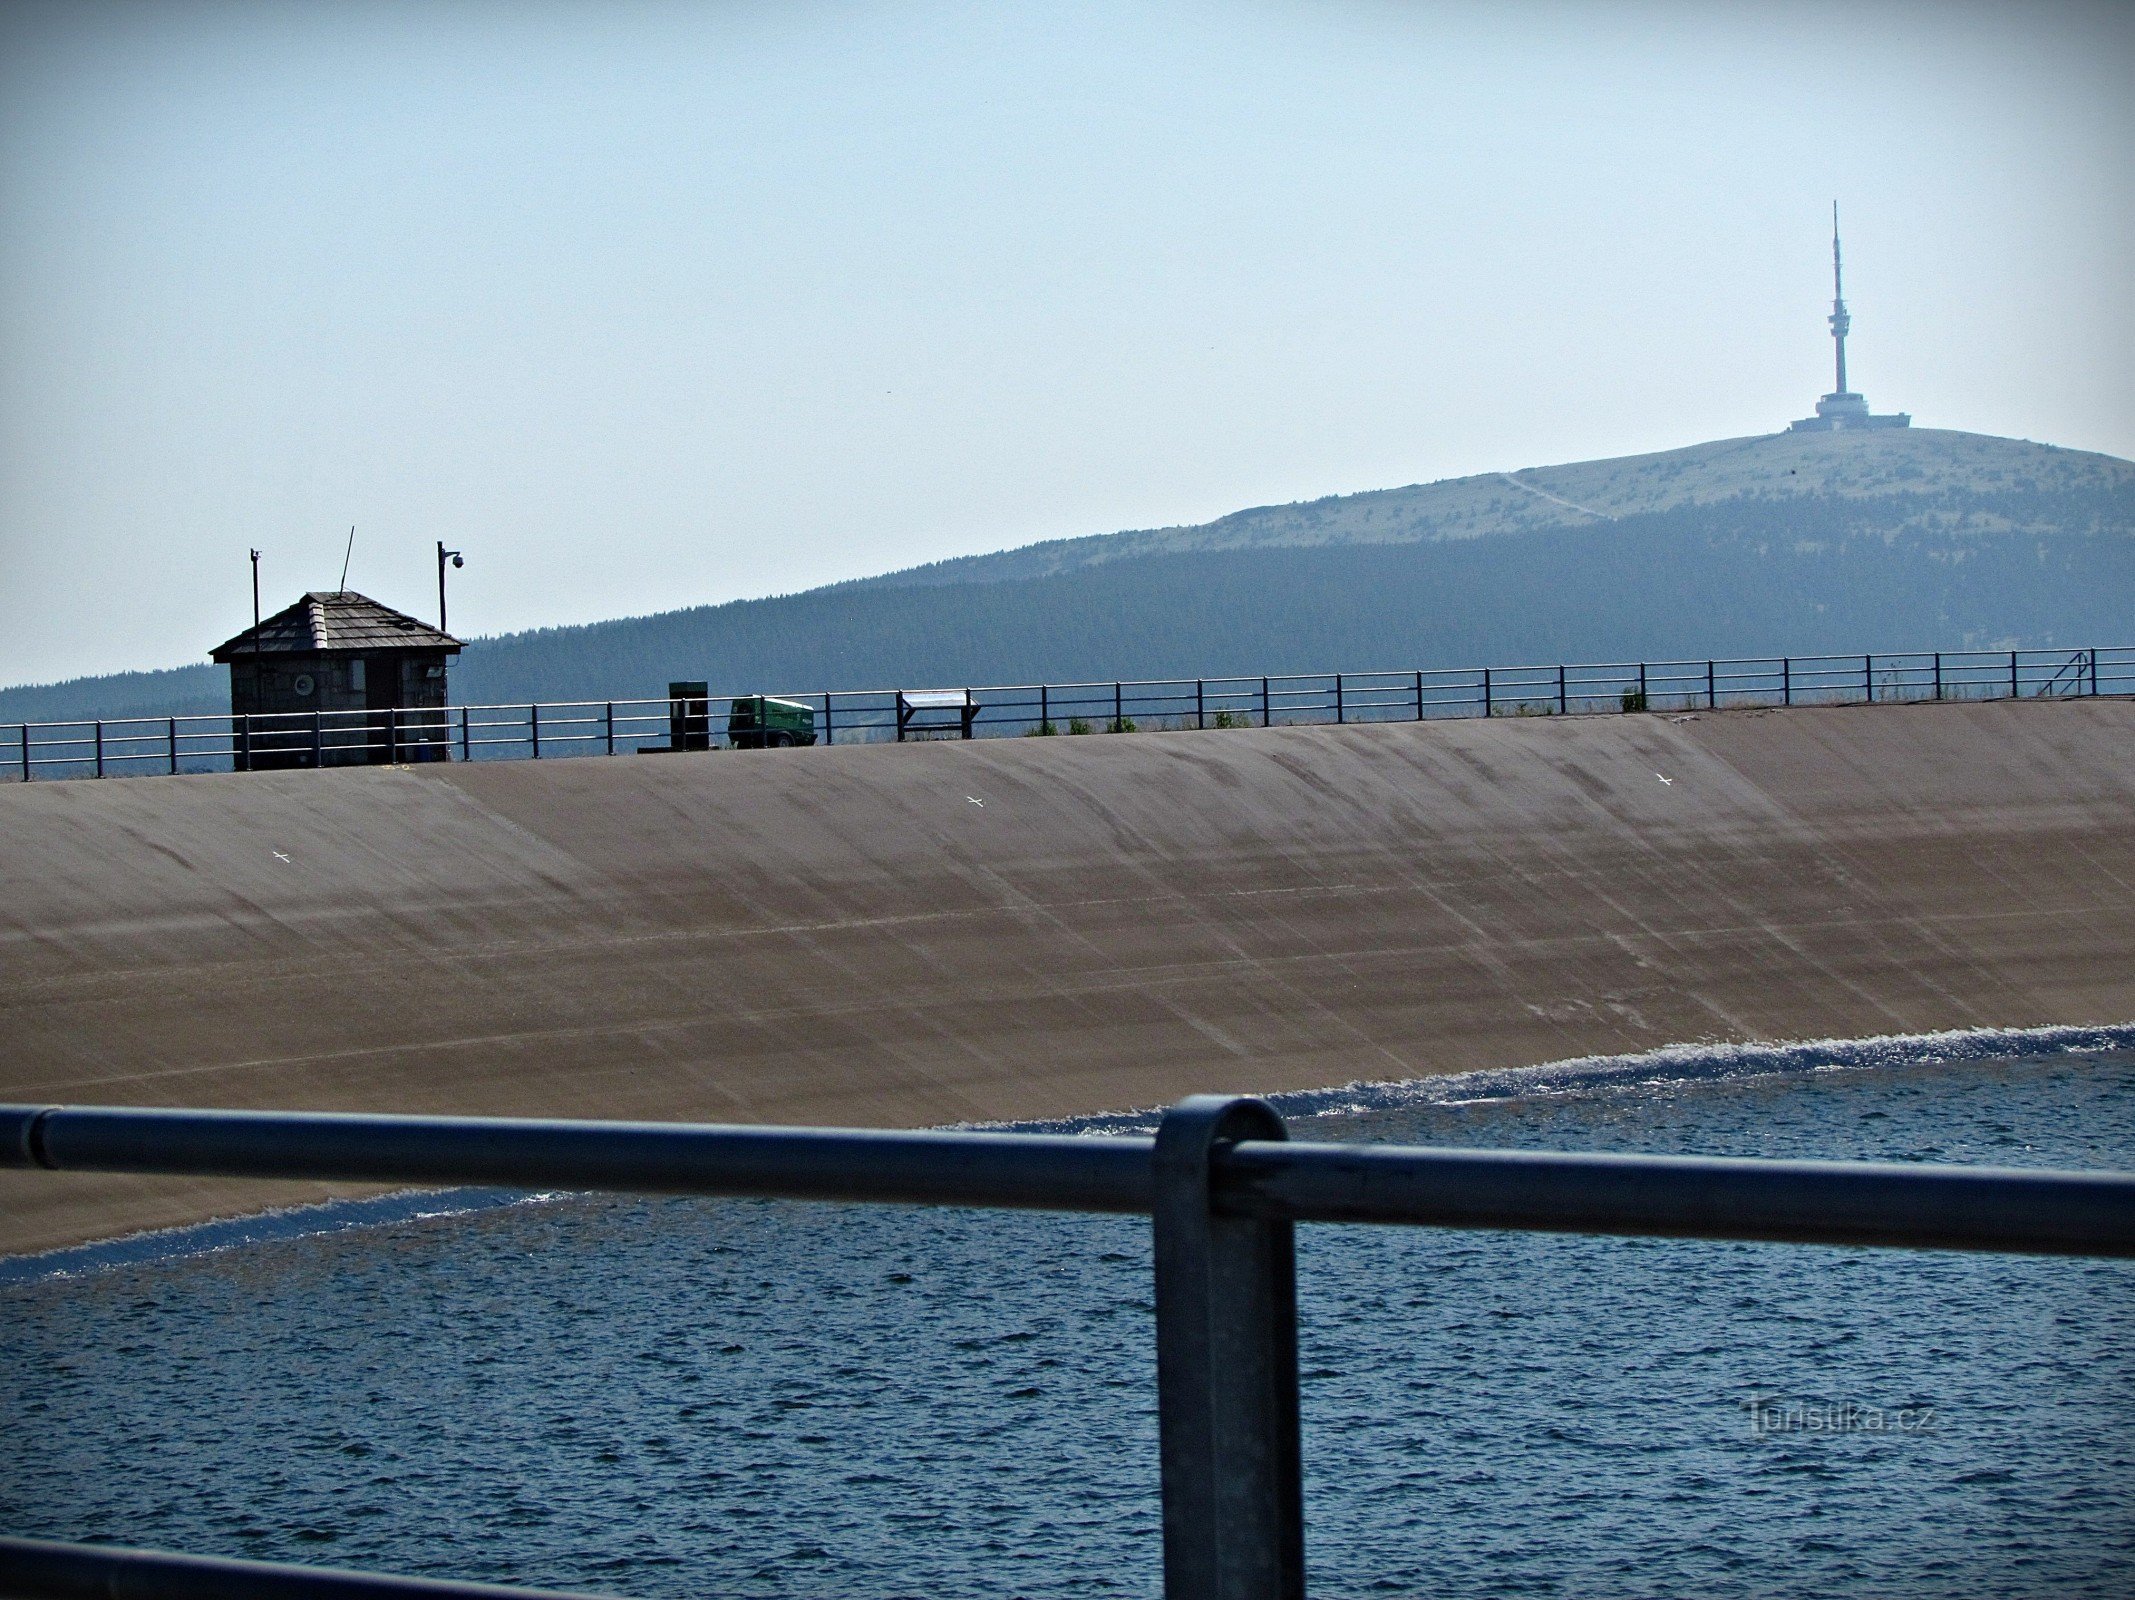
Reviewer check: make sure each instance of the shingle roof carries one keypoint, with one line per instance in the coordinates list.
(337, 621)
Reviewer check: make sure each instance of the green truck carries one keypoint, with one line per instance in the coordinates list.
(764, 722)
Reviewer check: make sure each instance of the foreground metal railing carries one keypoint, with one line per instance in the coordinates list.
(123, 746)
(1223, 1186)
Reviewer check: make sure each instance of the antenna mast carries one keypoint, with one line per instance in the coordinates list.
(351, 550)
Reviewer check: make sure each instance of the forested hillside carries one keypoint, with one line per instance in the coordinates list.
(1913, 472)
(1745, 579)
(1971, 542)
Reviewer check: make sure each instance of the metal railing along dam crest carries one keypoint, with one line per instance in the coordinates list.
(1223, 1186)
(121, 746)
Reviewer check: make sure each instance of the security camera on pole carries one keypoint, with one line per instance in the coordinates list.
(444, 555)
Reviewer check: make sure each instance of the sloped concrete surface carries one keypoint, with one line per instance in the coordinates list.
(1028, 928)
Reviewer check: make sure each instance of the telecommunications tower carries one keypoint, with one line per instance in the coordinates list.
(1842, 408)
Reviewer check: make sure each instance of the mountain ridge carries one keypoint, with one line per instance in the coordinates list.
(1527, 499)
(1899, 539)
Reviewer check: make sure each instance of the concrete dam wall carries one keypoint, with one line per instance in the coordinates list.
(908, 935)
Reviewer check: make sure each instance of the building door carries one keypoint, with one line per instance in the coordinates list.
(381, 695)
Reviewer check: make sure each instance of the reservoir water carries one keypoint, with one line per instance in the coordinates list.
(672, 1397)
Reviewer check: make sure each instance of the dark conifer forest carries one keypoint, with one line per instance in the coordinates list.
(1749, 576)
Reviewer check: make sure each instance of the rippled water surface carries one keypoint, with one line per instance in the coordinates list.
(741, 1398)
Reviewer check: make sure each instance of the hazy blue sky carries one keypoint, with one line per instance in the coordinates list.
(646, 305)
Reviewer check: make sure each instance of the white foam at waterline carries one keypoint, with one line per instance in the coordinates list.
(1676, 1063)
(257, 1227)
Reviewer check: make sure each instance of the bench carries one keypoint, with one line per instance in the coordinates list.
(947, 711)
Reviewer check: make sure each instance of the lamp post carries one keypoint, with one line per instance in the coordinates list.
(241, 723)
(444, 555)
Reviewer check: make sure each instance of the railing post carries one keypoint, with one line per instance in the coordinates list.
(608, 722)
(466, 736)
(318, 740)
(1045, 704)
(533, 727)
(392, 736)
(1563, 705)
(1938, 674)
(1226, 1361)
(1200, 703)
(1267, 719)
(1643, 704)
(1419, 694)
(1868, 679)
(2092, 653)
(243, 751)
(829, 728)
(99, 747)
(174, 746)
(1341, 714)
(1786, 680)
(2012, 675)
(25, 752)
(1119, 710)
(1486, 691)
(1712, 698)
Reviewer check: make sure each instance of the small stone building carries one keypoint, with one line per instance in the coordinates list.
(338, 680)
